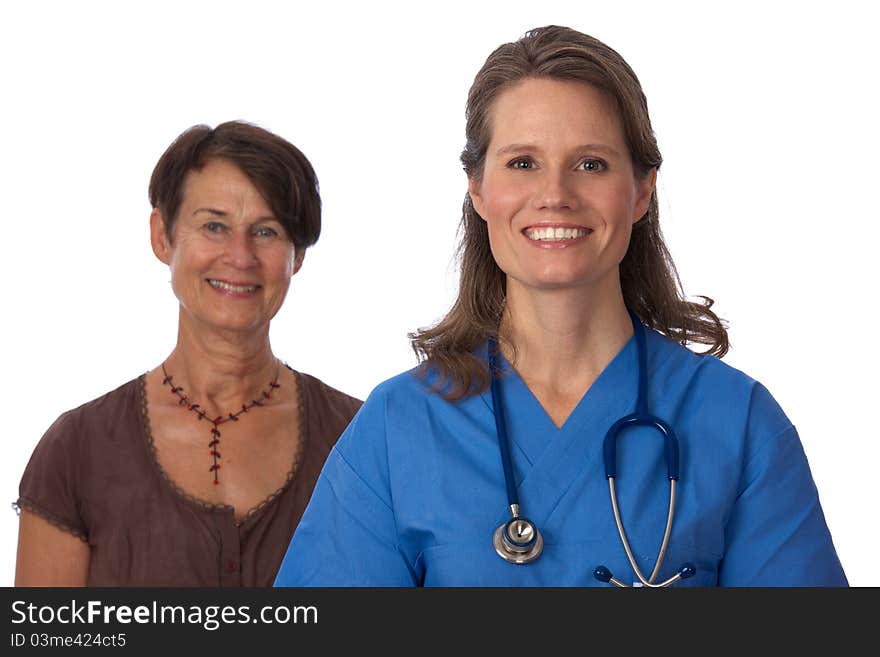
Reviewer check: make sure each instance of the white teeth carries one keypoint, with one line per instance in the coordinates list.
(556, 234)
(222, 285)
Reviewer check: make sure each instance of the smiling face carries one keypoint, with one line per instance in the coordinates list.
(558, 190)
(231, 261)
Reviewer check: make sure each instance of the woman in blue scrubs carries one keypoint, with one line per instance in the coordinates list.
(561, 242)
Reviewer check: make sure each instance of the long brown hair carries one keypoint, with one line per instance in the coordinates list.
(650, 283)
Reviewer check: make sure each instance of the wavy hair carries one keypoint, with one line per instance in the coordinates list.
(649, 281)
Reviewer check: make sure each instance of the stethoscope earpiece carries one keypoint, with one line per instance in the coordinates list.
(686, 570)
(602, 574)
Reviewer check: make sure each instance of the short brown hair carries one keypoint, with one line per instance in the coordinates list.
(649, 281)
(277, 168)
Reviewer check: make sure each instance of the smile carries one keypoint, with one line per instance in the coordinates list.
(231, 287)
(555, 233)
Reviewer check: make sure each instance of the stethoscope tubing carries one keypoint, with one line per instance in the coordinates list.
(518, 540)
(501, 429)
(514, 550)
(626, 547)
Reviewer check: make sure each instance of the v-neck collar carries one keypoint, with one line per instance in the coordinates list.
(531, 429)
(547, 460)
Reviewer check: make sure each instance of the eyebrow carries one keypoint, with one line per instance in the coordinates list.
(214, 211)
(220, 213)
(529, 148)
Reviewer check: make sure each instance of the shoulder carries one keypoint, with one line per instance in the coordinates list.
(717, 387)
(415, 382)
(666, 357)
(87, 418)
(325, 410)
(404, 416)
(63, 461)
(317, 390)
(410, 394)
(391, 419)
(404, 395)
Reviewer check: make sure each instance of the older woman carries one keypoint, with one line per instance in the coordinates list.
(560, 370)
(197, 472)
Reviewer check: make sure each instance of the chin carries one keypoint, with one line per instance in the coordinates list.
(563, 279)
(235, 324)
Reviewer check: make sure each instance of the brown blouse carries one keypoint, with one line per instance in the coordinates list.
(95, 474)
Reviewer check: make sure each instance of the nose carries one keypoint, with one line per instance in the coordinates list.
(556, 191)
(239, 250)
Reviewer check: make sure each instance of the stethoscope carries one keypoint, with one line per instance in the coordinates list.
(518, 540)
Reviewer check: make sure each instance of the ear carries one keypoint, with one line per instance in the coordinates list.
(475, 192)
(298, 260)
(158, 237)
(644, 190)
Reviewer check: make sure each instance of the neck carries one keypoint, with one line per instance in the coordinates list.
(221, 370)
(562, 339)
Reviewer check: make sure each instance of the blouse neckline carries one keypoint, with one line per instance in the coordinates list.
(212, 507)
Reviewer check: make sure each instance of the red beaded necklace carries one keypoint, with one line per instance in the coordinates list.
(183, 400)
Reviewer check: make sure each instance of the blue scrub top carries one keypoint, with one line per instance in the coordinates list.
(414, 489)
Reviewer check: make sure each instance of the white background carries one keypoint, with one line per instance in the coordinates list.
(766, 114)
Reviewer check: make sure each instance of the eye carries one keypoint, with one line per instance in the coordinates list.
(265, 231)
(593, 165)
(214, 227)
(522, 163)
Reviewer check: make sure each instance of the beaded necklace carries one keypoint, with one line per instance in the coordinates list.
(184, 400)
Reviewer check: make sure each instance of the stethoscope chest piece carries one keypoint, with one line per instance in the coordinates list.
(518, 541)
